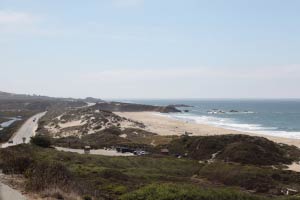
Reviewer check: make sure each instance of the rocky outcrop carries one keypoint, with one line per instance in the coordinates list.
(130, 107)
(181, 105)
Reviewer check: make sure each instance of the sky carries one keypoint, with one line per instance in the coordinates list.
(151, 48)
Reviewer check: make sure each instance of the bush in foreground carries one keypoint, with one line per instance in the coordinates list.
(45, 175)
(186, 192)
(14, 163)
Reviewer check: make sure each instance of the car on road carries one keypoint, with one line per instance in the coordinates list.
(10, 142)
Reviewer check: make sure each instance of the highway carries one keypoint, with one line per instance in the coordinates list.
(27, 130)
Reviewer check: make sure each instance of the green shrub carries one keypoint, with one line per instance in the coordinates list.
(114, 189)
(16, 164)
(42, 141)
(46, 175)
(14, 160)
(260, 179)
(185, 192)
(104, 177)
(87, 197)
(113, 174)
(236, 148)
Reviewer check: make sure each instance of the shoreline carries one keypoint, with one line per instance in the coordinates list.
(164, 125)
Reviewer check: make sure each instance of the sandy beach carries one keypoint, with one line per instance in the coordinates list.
(167, 126)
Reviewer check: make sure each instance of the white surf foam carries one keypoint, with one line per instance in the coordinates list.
(234, 125)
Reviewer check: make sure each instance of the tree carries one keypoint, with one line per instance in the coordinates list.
(40, 140)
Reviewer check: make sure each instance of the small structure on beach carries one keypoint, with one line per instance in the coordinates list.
(87, 149)
(164, 151)
(187, 133)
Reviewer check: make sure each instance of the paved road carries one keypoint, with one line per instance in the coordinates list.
(7, 193)
(26, 131)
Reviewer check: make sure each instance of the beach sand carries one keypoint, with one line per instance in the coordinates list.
(163, 125)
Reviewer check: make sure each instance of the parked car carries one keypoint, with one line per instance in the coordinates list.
(140, 153)
(10, 141)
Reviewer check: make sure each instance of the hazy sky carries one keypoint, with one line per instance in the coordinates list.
(151, 48)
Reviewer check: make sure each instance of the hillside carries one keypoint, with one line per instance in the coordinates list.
(130, 107)
(235, 148)
(103, 177)
(111, 137)
(197, 167)
(13, 96)
(83, 121)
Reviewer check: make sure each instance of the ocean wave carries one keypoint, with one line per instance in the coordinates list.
(216, 112)
(232, 124)
(241, 112)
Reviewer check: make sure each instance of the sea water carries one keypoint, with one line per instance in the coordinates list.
(8, 123)
(269, 117)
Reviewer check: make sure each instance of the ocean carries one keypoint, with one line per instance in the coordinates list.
(269, 117)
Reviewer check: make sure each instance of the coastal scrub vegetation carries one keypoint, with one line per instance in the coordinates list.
(135, 138)
(194, 167)
(170, 191)
(24, 106)
(148, 177)
(242, 149)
